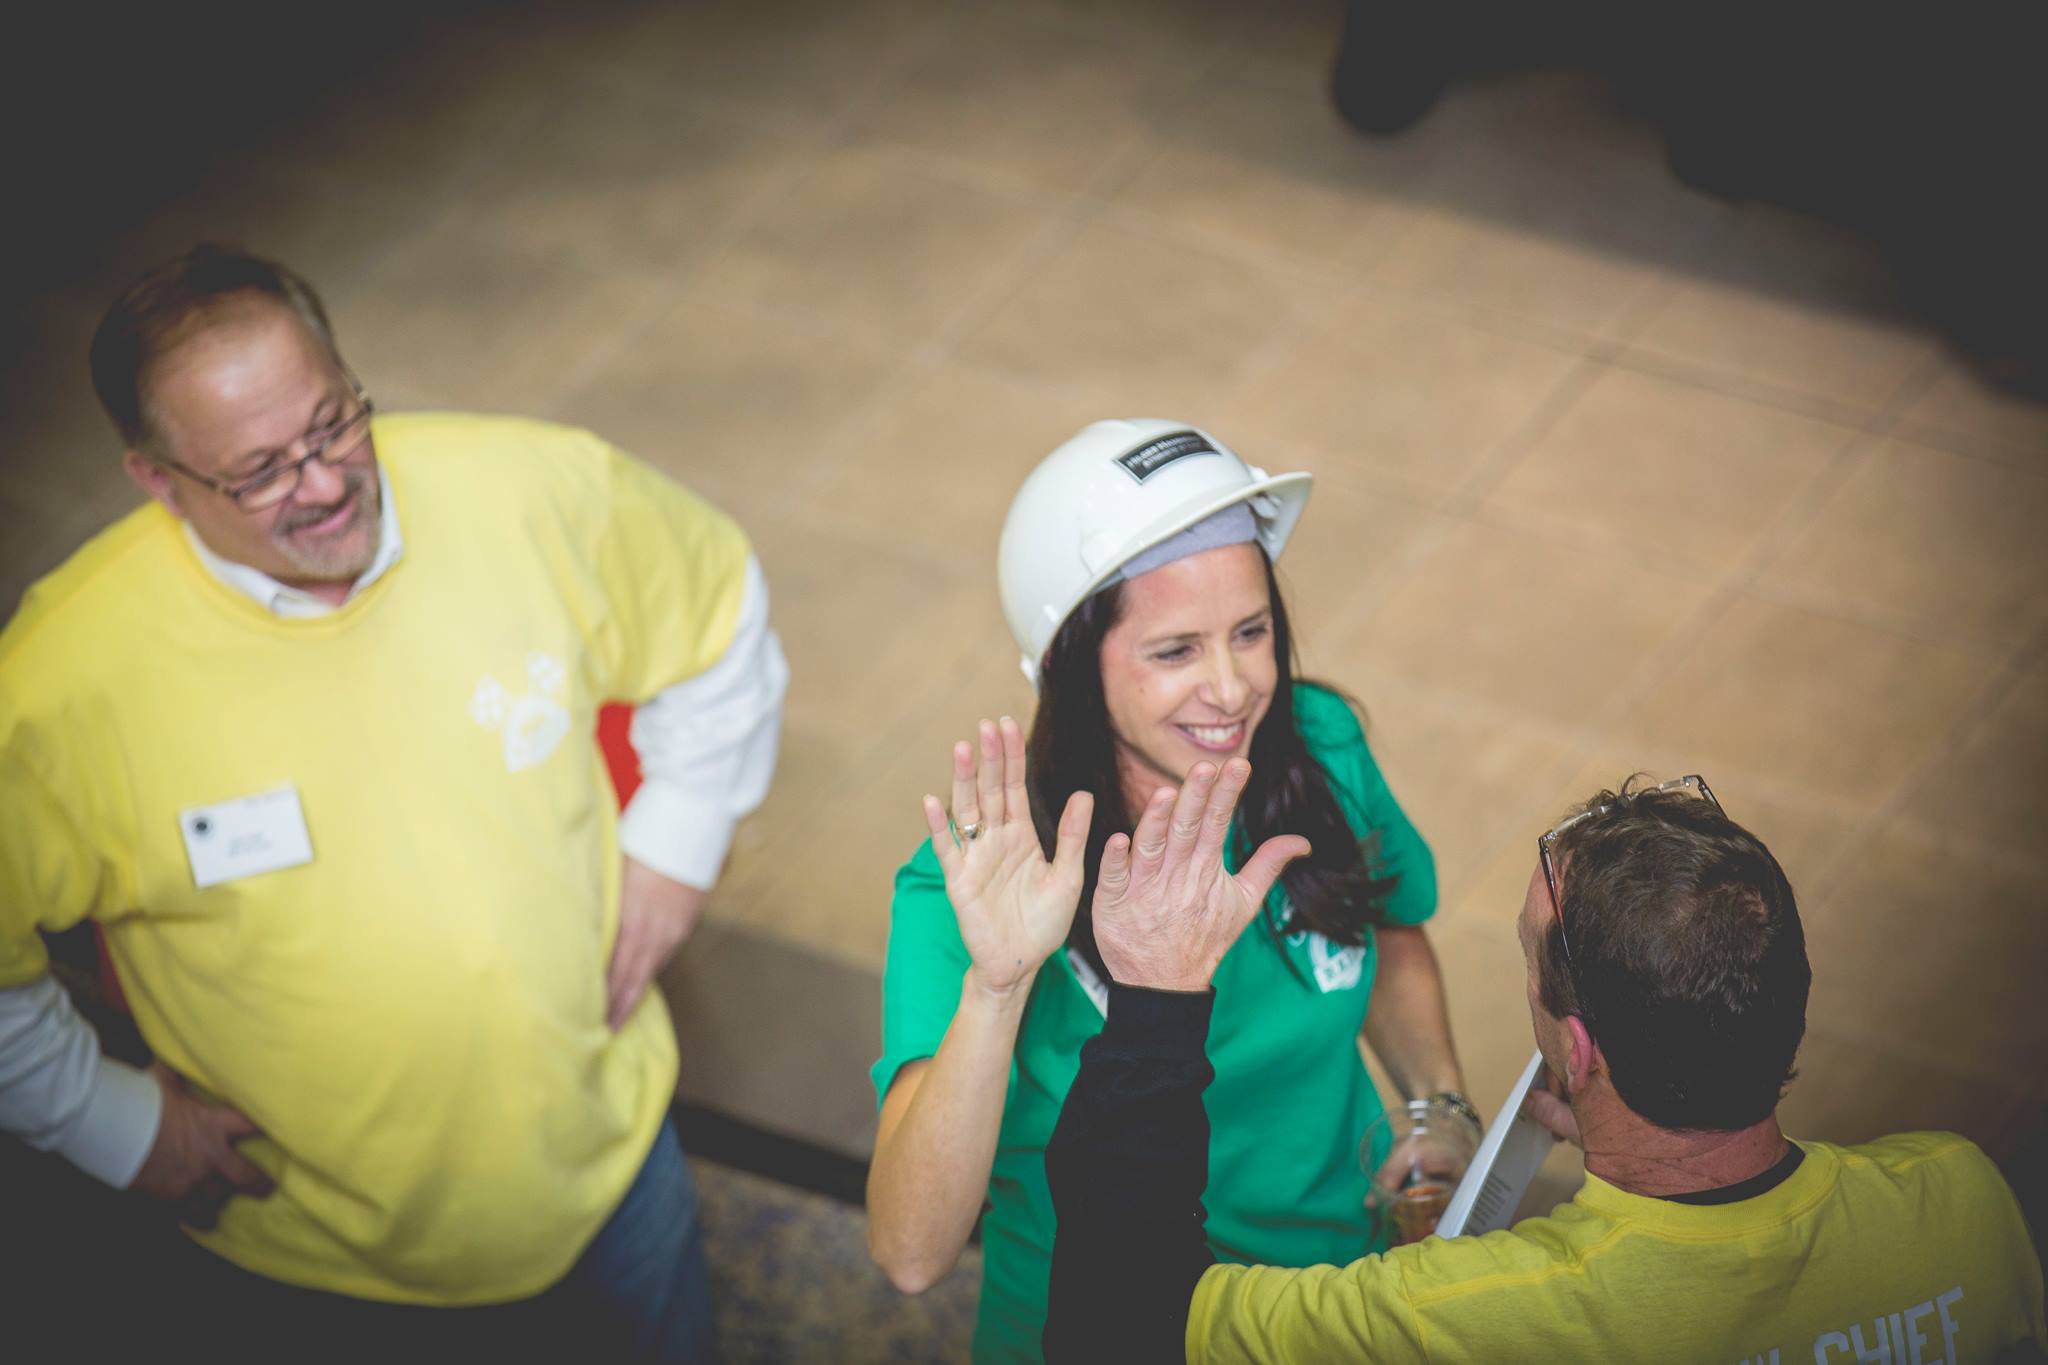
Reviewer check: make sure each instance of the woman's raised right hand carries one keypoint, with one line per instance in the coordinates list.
(1014, 907)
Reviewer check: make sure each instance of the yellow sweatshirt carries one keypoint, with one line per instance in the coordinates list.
(1909, 1250)
(414, 1016)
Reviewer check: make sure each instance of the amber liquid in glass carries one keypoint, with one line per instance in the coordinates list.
(1417, 1210)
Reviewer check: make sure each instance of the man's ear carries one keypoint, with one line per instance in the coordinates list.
(153, 479)
(1585, 1056)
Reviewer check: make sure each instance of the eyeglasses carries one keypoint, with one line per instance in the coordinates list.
(271, 485)
(1691, 782)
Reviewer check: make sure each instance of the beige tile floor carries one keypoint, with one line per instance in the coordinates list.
(1612, 475)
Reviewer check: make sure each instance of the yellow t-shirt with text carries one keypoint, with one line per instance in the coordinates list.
(1909, 1250)
(414, 1017)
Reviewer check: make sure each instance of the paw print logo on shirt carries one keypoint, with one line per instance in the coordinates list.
(533, 723)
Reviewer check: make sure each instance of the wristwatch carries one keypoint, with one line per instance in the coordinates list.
(1457, 1104)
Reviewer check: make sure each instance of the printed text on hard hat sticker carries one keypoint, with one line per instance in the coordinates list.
(1153, 456)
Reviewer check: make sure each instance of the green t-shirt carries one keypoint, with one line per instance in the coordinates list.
(1291, 1099)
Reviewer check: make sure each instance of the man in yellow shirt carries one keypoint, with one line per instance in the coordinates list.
(310, 735)
(1667, 982)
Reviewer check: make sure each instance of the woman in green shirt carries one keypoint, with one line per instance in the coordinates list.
(1136, 572)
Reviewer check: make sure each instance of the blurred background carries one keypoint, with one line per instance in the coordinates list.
(1666, 393)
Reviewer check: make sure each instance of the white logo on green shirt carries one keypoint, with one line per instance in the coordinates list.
(532, 724)
(1336, 968)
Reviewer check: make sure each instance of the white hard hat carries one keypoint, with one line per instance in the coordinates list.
(1116, 489)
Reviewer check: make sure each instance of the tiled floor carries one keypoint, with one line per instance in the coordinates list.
(791, 1280)
(1611, 475)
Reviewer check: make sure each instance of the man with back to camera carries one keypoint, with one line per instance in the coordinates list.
(1667, 982)
(310, 735)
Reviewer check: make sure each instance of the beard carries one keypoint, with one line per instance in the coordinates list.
(344, 552)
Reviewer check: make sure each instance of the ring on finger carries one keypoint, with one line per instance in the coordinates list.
(970, 830)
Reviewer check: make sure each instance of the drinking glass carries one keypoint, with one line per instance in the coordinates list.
(1416, 1154)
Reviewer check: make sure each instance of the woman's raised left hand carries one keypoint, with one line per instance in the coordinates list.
(1014, 904)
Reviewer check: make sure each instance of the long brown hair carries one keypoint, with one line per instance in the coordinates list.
(1334, 891)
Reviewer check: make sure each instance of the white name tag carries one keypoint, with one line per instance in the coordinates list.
(240, 838)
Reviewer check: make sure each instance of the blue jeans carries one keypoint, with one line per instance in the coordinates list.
(643, 1275)
(638, 1293)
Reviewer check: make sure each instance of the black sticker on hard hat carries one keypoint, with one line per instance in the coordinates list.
(1153, 456)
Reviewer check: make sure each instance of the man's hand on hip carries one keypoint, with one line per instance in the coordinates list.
(193, 1165)
(1165, 911)
(655, 916)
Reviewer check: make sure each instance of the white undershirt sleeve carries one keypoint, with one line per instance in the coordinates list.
(707, 749)
(59, 1093)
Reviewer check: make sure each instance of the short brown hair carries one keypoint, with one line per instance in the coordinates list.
(1687, 961)
(169, 302)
